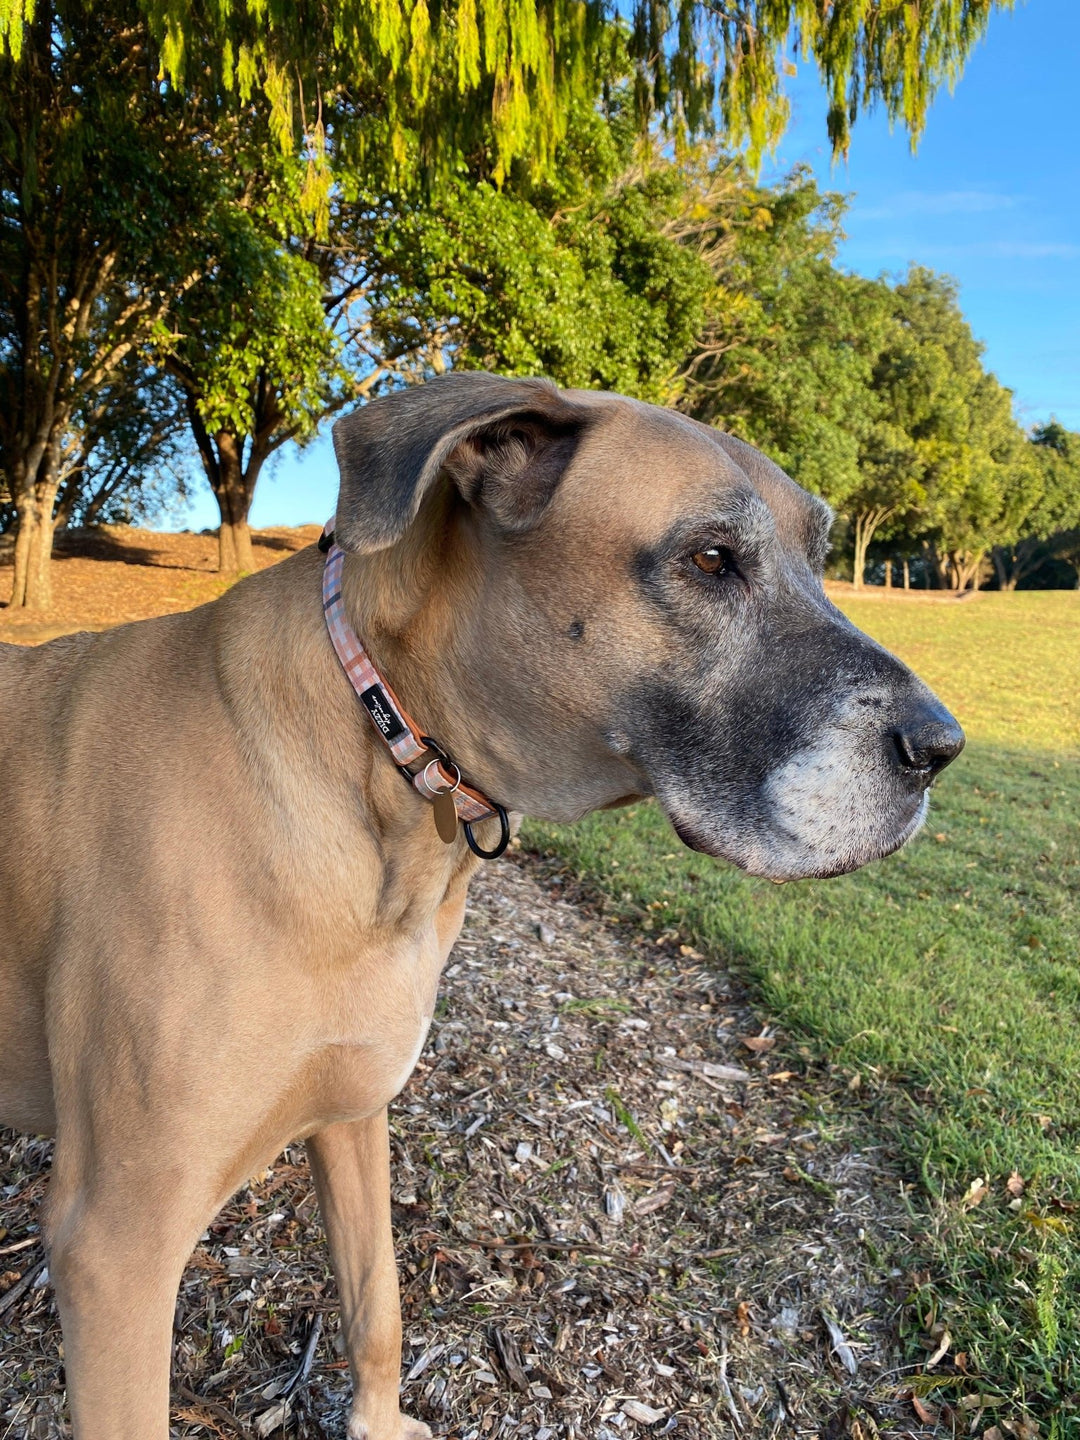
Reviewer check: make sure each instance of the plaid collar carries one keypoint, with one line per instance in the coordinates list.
(436, 775)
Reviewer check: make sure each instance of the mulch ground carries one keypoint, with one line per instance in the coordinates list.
(116, 573)
(623, 1206)
(614, 1217)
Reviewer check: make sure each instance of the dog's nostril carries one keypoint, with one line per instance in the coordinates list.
(903, 751)
(928, 744)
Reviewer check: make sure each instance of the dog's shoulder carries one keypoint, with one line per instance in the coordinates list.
(24, 669)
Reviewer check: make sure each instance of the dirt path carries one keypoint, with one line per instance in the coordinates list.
(613, 1217)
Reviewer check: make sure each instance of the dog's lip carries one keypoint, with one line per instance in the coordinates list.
(693, 839)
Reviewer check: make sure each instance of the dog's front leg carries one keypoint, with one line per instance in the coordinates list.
(351, 1165)
(119, 1233)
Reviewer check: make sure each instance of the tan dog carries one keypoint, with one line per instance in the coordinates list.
(223, 915)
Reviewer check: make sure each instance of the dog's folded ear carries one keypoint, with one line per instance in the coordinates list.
(504, 443)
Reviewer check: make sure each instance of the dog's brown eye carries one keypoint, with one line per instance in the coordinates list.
(714, 561)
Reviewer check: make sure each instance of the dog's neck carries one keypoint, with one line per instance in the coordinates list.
(335, 804)
(406, 604)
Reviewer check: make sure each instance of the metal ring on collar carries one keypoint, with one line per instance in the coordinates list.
(450, 791)
(504, 837)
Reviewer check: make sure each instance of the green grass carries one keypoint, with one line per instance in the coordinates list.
(946, 978)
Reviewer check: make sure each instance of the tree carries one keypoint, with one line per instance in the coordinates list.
(505, 74)
(919, 417)
(95, 167)
(971, 473)
(788, 356)
(576, 279)
(1003, 486)
(870, 393)
(102, 162)
(253, 351)
(123, 459)
(1050, 531)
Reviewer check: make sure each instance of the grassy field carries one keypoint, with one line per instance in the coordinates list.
(943, 987)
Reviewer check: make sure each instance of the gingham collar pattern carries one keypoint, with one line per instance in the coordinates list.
(397, 729)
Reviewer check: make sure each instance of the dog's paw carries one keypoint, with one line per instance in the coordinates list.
(403, 1428)
(414, 1429)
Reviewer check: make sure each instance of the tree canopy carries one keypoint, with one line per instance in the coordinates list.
(873, 393)
(97, 162)
(210, 223)
(502, 76)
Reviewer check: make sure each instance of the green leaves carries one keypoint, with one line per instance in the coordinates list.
(872, 393)
(500, 77)
(579, 282)
(788, 354)
(256, 322)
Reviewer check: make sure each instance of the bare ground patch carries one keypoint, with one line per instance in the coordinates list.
(613, 1218)
(116, 573)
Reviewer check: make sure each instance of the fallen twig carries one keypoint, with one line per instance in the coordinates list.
(736, 1418)
(555, 1245)
(19, 1245)
(705, 1069)
(216, 1409)
(19, 1289)
(309, 1357)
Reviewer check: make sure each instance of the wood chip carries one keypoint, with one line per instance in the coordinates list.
(841, 1349)
(655, 1200)
(708, 1068)
(644, 1414)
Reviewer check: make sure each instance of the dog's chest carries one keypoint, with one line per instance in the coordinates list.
(375, 1025)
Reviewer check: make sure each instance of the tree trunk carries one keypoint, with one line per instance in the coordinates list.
(866, 523)
(32, 583)
(1007, 577)
(888, 572)
(24, 535)
(233, 491)
(39, 591)
(963, 568)
(226, 563)
(907, 573)
(235, 555)
(862, 540)
(969, 572)
(245, 556)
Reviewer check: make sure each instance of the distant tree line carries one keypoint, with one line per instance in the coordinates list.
(198, 263)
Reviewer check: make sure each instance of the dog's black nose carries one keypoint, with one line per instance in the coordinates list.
(927, 740)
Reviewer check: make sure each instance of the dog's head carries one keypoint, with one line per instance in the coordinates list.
(629, 603)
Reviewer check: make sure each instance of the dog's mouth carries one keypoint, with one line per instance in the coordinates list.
(772, 855)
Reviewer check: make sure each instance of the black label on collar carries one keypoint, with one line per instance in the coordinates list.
(378, 707)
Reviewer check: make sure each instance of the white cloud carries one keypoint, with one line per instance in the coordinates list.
(936, 202)
(910, 248)
(1005, 250)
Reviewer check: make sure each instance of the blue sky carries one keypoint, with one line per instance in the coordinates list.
(992, 197)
